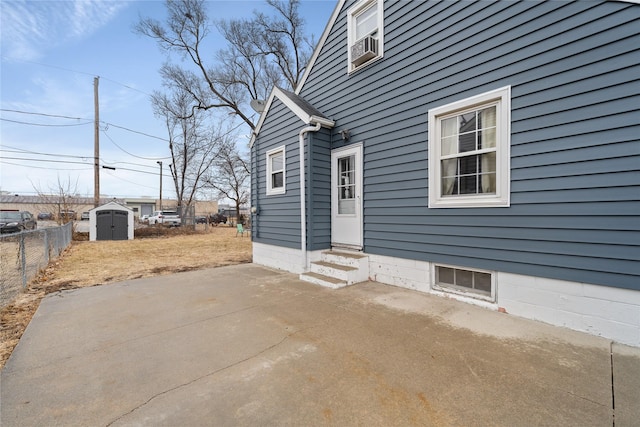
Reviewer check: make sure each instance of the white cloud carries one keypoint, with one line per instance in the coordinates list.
(29, 28)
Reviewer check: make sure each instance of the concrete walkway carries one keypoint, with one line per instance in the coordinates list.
(249, 346)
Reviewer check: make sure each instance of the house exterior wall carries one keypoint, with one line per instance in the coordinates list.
(319, 191)
(597, 310)
(567, 248)
(278, 219)
(573, 71)
(282, 258)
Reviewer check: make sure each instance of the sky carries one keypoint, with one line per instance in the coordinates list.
(52, 51)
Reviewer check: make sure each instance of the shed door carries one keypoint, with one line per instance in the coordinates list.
(346, 197)
(120, 225)
(112, 225)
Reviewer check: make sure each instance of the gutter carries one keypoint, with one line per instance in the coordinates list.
(303, 202)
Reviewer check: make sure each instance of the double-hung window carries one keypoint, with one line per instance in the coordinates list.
(469, 152)
(276, 171)
(365, 33)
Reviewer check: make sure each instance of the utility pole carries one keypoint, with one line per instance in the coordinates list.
(160, 163)
(96, 146)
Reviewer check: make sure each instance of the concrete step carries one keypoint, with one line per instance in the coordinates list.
(337, 271)
(350, 259)
(322, 280)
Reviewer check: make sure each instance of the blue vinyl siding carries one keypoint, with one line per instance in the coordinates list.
(319, 190)
(574, 72)
(278, 221)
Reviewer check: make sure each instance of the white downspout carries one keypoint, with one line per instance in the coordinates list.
(303, 213)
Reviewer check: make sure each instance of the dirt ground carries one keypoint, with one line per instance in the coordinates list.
(86, 264)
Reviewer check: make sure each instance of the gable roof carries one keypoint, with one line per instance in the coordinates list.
(301, 108)
(111, 205)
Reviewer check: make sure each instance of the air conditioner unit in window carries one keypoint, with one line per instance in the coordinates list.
(364, 50)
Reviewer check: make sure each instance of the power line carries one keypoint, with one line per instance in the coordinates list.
(129, 163)
(73, 118)
(134, 131)
(131, 154)
(20, 150)
(77, 72)
(130, 182)
(44, 160)
(42, 124)
(88, 158)
(69, 162)
(42, 167)
(139, 171)
(41, 114)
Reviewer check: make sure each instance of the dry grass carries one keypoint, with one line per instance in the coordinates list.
(97, 263)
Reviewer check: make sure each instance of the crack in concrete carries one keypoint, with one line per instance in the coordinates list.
(585, 398)
(217, 371)
(119, 343)
(209, 374)
(613, 391)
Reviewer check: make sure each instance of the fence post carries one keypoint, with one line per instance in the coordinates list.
(46, 247)
(23, 261)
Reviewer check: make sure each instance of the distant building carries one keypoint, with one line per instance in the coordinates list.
(54, 204)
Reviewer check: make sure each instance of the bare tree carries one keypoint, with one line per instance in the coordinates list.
(60, 197)
(283, 39)
(194, 145)
(230, 176)
(264, 51)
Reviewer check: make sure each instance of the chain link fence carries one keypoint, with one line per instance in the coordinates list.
(23, 255)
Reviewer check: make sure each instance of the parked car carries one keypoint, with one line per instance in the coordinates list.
(68, 215)
(201, 220)
(170, 218)
(218, 218)
(144, 219)
(84, 216)
(45, 216)
(16, 221)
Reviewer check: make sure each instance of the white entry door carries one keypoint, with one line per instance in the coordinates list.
(346, 197)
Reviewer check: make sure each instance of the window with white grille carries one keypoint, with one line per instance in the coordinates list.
(276, 171)
(469, 152)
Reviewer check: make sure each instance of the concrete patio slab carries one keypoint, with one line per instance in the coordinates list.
(246, 345)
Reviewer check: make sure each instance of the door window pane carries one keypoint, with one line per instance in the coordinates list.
(346, 185)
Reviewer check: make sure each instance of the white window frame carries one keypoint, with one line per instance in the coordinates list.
(352, 14)
(278, 190)
(460, 290)
(502, 198)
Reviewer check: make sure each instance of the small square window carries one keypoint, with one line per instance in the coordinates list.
(469, 152)
(462, 281)
(276, 171)
(365, 35)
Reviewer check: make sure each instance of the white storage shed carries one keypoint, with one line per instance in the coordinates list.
(111, 221)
